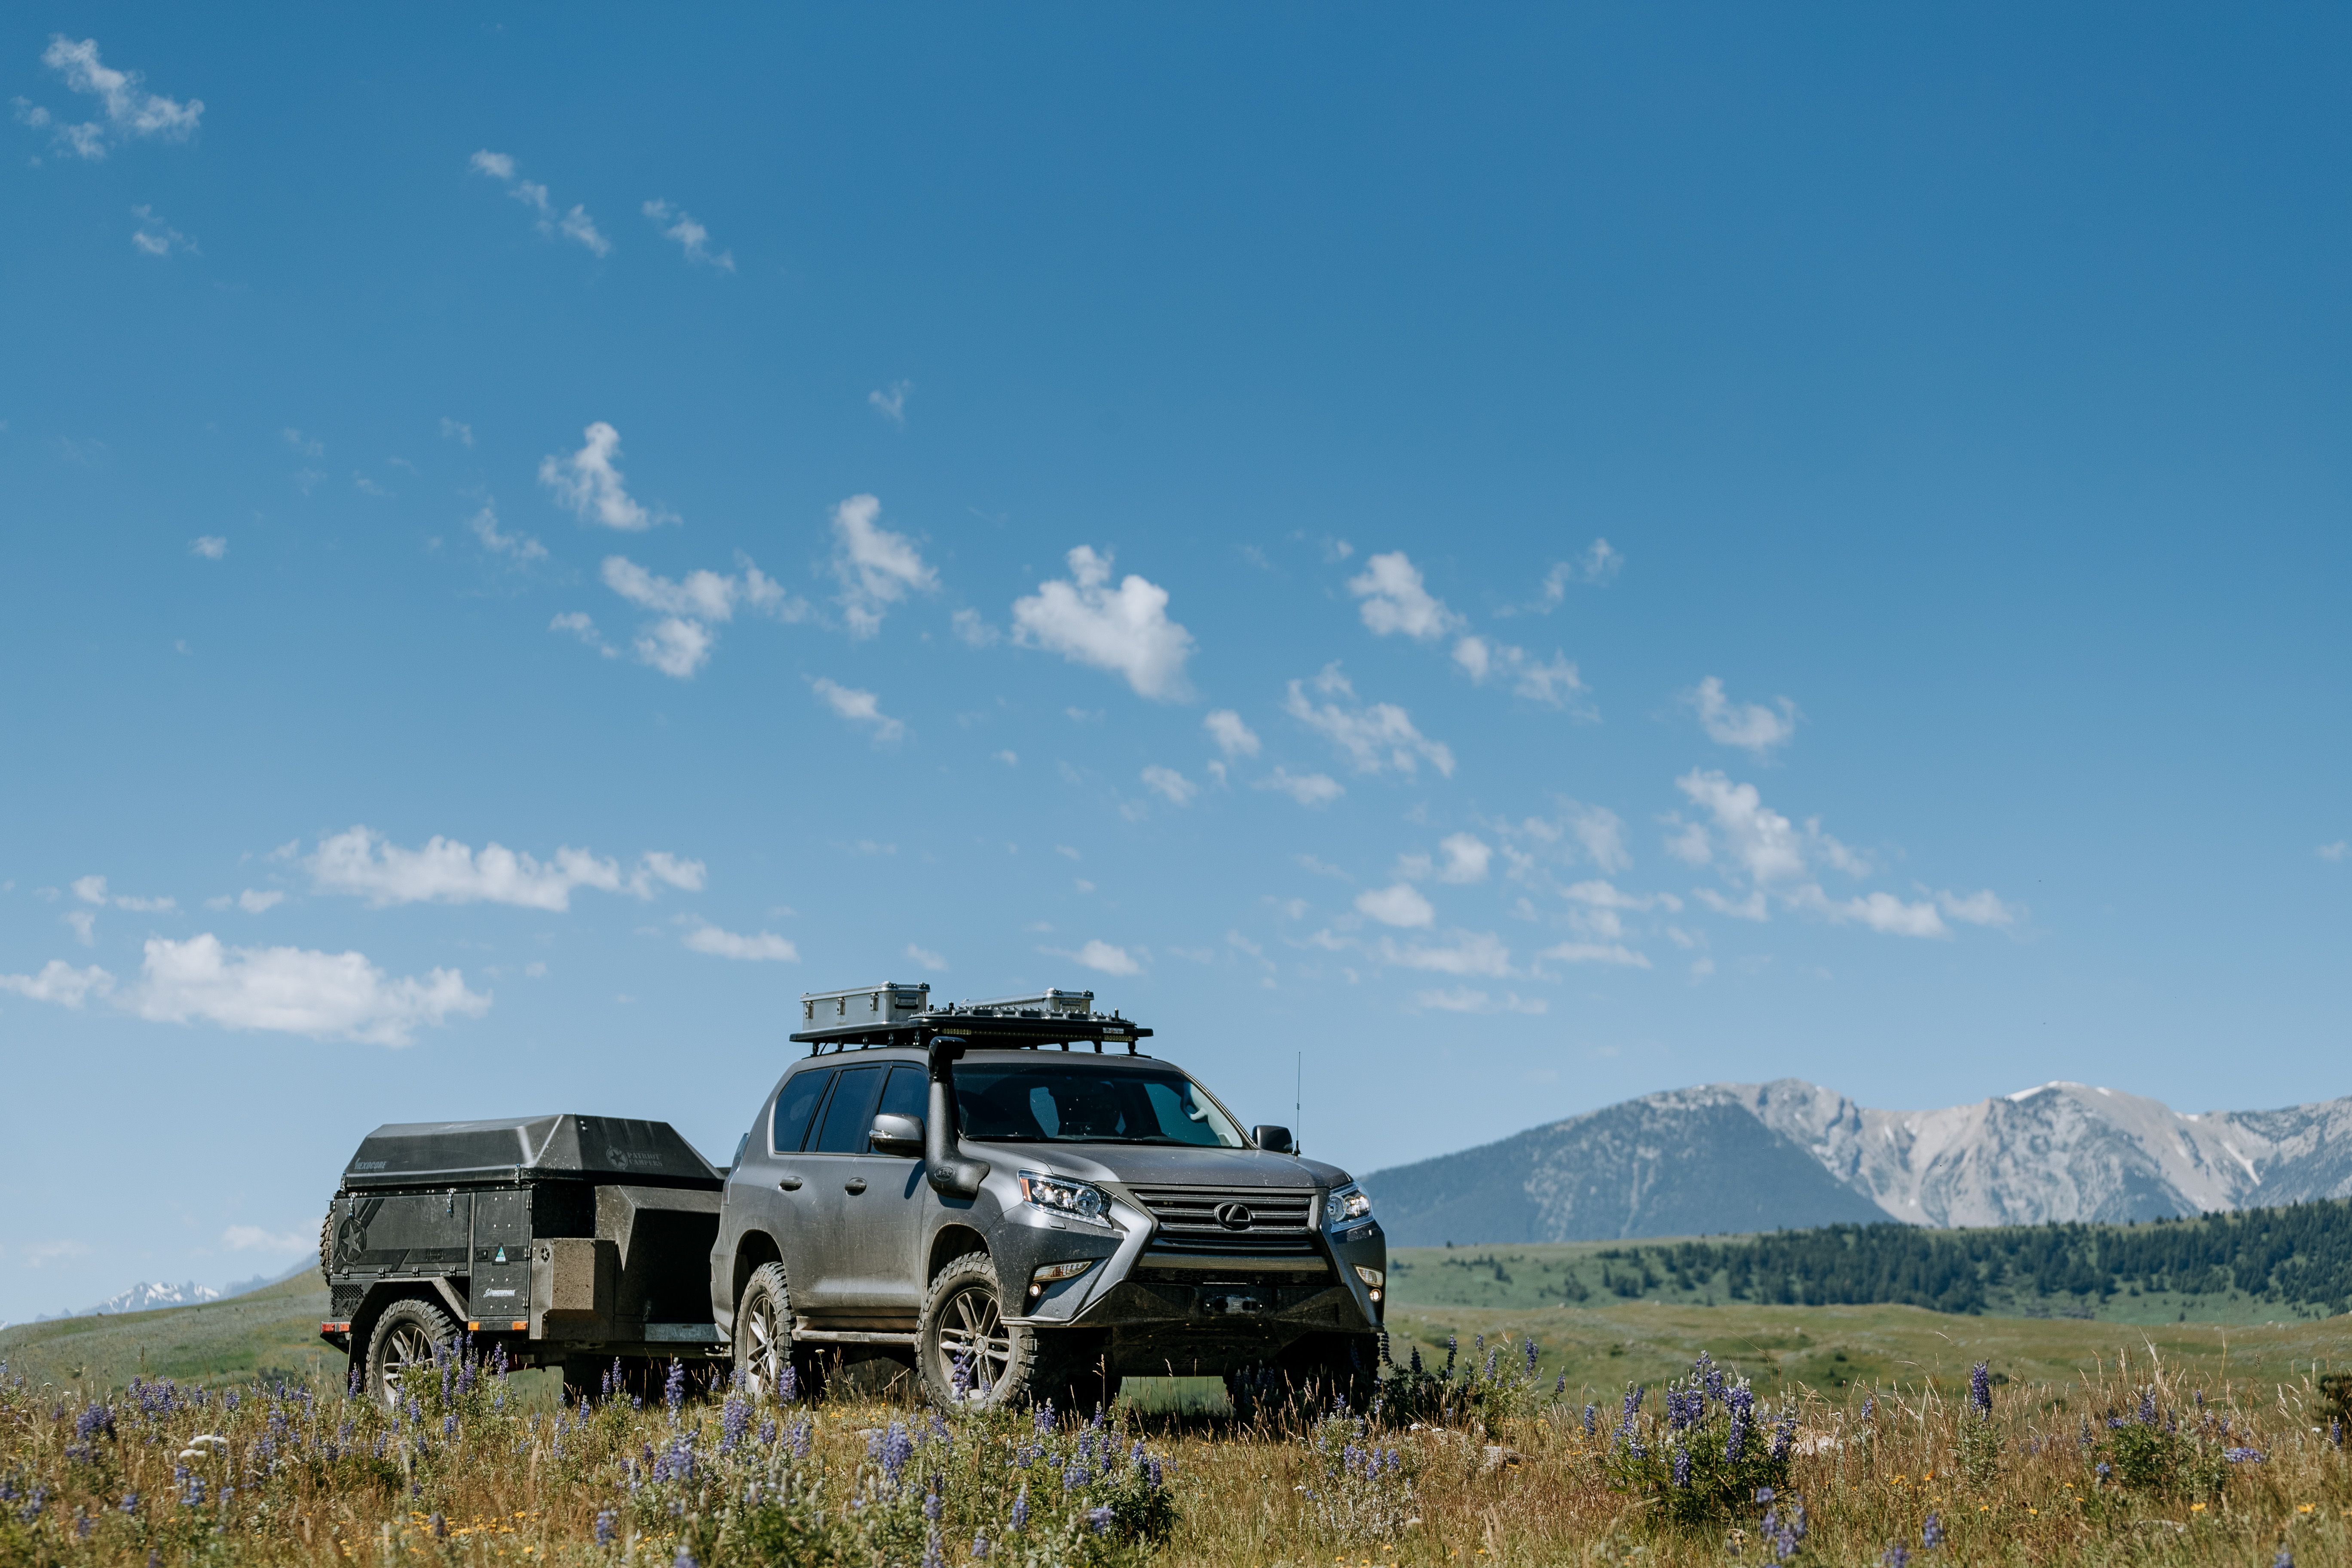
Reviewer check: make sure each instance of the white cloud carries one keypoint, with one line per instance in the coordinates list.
(61, 982)
(1595, 953)
(1104, 958)
(1880, 911)
(252, 1238)
(1599, 833)
(972, 631)
(1979, 909)
(925, 957)
(680, 644)
(1172, 785)
(93, 891)
(363, 864)
(1466, 858)
(1555, 684)
(1750, 908)
(764, 948)
(1750, 726)
(255, 900)
(691, 235)
(1394, 600)
(154, 237)
(675, 646)
(2335, 851)
(325, 996)
(1374, 737)
(85, 926)
(1468, 952)
(575, 225)
(591, 485)
(891, 401)
(1402, 905)
(859, 708)
(451, 430)
(1306, 789)
(1124, 630)
(1463, 999)
(130, 112)
(580, 624)
(1766, 844)
(877, 567)
(1601, 895)
(1233, 738)
(211, 546)
(521, 546)
(1010, 759)
(1599, 563)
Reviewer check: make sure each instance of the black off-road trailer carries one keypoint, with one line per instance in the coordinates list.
(566, 1240)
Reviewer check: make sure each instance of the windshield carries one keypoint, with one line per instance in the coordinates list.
(1038, 1102)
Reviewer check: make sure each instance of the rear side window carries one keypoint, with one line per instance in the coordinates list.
(849, 1114)
(795, 1106)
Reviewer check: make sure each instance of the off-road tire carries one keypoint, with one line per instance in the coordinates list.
(1006, 1363)
(327, 1243)
(764, 1336)
(412, 1333)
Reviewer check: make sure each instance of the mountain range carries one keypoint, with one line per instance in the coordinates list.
(1735, 1157)
(151, 1295)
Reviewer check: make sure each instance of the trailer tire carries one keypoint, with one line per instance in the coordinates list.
(1002, 1363)
(765, 1351)
(411, 1332)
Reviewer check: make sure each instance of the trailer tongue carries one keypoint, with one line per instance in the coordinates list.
(573, 1240)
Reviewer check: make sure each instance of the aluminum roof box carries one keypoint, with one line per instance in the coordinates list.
(529, 1149)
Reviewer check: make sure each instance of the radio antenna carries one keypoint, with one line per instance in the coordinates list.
(1298, 1094)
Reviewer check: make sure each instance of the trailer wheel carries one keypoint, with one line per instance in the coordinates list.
(967, 1354)
(763, 1335)
(411, 1332)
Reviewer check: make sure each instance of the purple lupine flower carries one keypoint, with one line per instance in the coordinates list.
(2242, 1456)
(934, 1555)
(1416, 1360)
(1763, 1494)
(674, 1387)
(1044, 1417)
(1896, 1556)
(130, 1503)
(1099, 1520)
(2147, 1408)
(796, 1438)
(94, 1422)
(1560, 1387)
(1869, 1405)
(934, 1501)
(1682, 1468)
(1591, 1416)
(894, 1449)
(685, 1560)
(1931, 1534)
(1531, 1356)
(607, 1526)
(734, 1423)
(1074, 1478)
(1021, 1510)
(2336, 1433)
(1157, 1478)
(1980, 1389)
(980, 1545)
(960, 1374)
(1784, 1434)
(788, 1385)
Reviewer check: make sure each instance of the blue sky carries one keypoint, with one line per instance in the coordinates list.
(1514, 559)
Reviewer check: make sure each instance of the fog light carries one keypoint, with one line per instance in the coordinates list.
(1372, 1276)
(1053, 1272)
(1374, 1294)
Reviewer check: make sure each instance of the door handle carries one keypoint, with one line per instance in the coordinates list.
(790, 1184)
(854, 1185)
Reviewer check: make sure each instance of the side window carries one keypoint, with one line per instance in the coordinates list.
(907, 1093)
(849, 1114)
(795, 1106)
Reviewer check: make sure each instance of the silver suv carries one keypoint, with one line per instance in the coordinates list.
(983, 1190)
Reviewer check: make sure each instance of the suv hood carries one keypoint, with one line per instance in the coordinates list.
(1151, 1164)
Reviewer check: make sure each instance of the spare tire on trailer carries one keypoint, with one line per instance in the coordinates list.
(411, 1332)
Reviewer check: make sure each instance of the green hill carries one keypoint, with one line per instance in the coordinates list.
(275, 1328)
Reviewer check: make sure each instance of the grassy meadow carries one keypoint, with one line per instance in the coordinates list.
(224, 1449)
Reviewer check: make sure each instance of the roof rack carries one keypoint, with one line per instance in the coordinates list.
(873, 1015)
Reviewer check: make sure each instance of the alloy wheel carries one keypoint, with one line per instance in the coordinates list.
(973, 1332)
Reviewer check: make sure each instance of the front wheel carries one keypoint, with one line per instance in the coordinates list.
(411, 1334)
(968, 1355)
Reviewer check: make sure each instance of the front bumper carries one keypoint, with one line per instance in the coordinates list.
(1181, 1310)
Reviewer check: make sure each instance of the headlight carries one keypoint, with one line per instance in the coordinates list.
(1059, 1194)
(1346, 1205)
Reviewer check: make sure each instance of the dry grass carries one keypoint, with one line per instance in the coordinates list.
(510, 1487)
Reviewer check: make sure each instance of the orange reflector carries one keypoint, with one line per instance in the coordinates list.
(473, 1328)
(521, 1326)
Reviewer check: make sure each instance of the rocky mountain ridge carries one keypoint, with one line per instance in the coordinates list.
(1742, 1157)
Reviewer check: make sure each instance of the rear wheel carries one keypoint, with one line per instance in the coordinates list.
(967, 1354)
(411, 1334)
(764, 1336)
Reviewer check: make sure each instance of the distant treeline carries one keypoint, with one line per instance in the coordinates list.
(2299, 1256)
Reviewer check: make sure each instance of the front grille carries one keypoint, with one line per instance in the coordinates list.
(1201, 1219)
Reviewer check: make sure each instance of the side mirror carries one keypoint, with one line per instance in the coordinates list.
(1273, 1140)
(896, 1134)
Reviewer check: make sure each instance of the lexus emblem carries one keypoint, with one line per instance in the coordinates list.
(1234, 1217)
